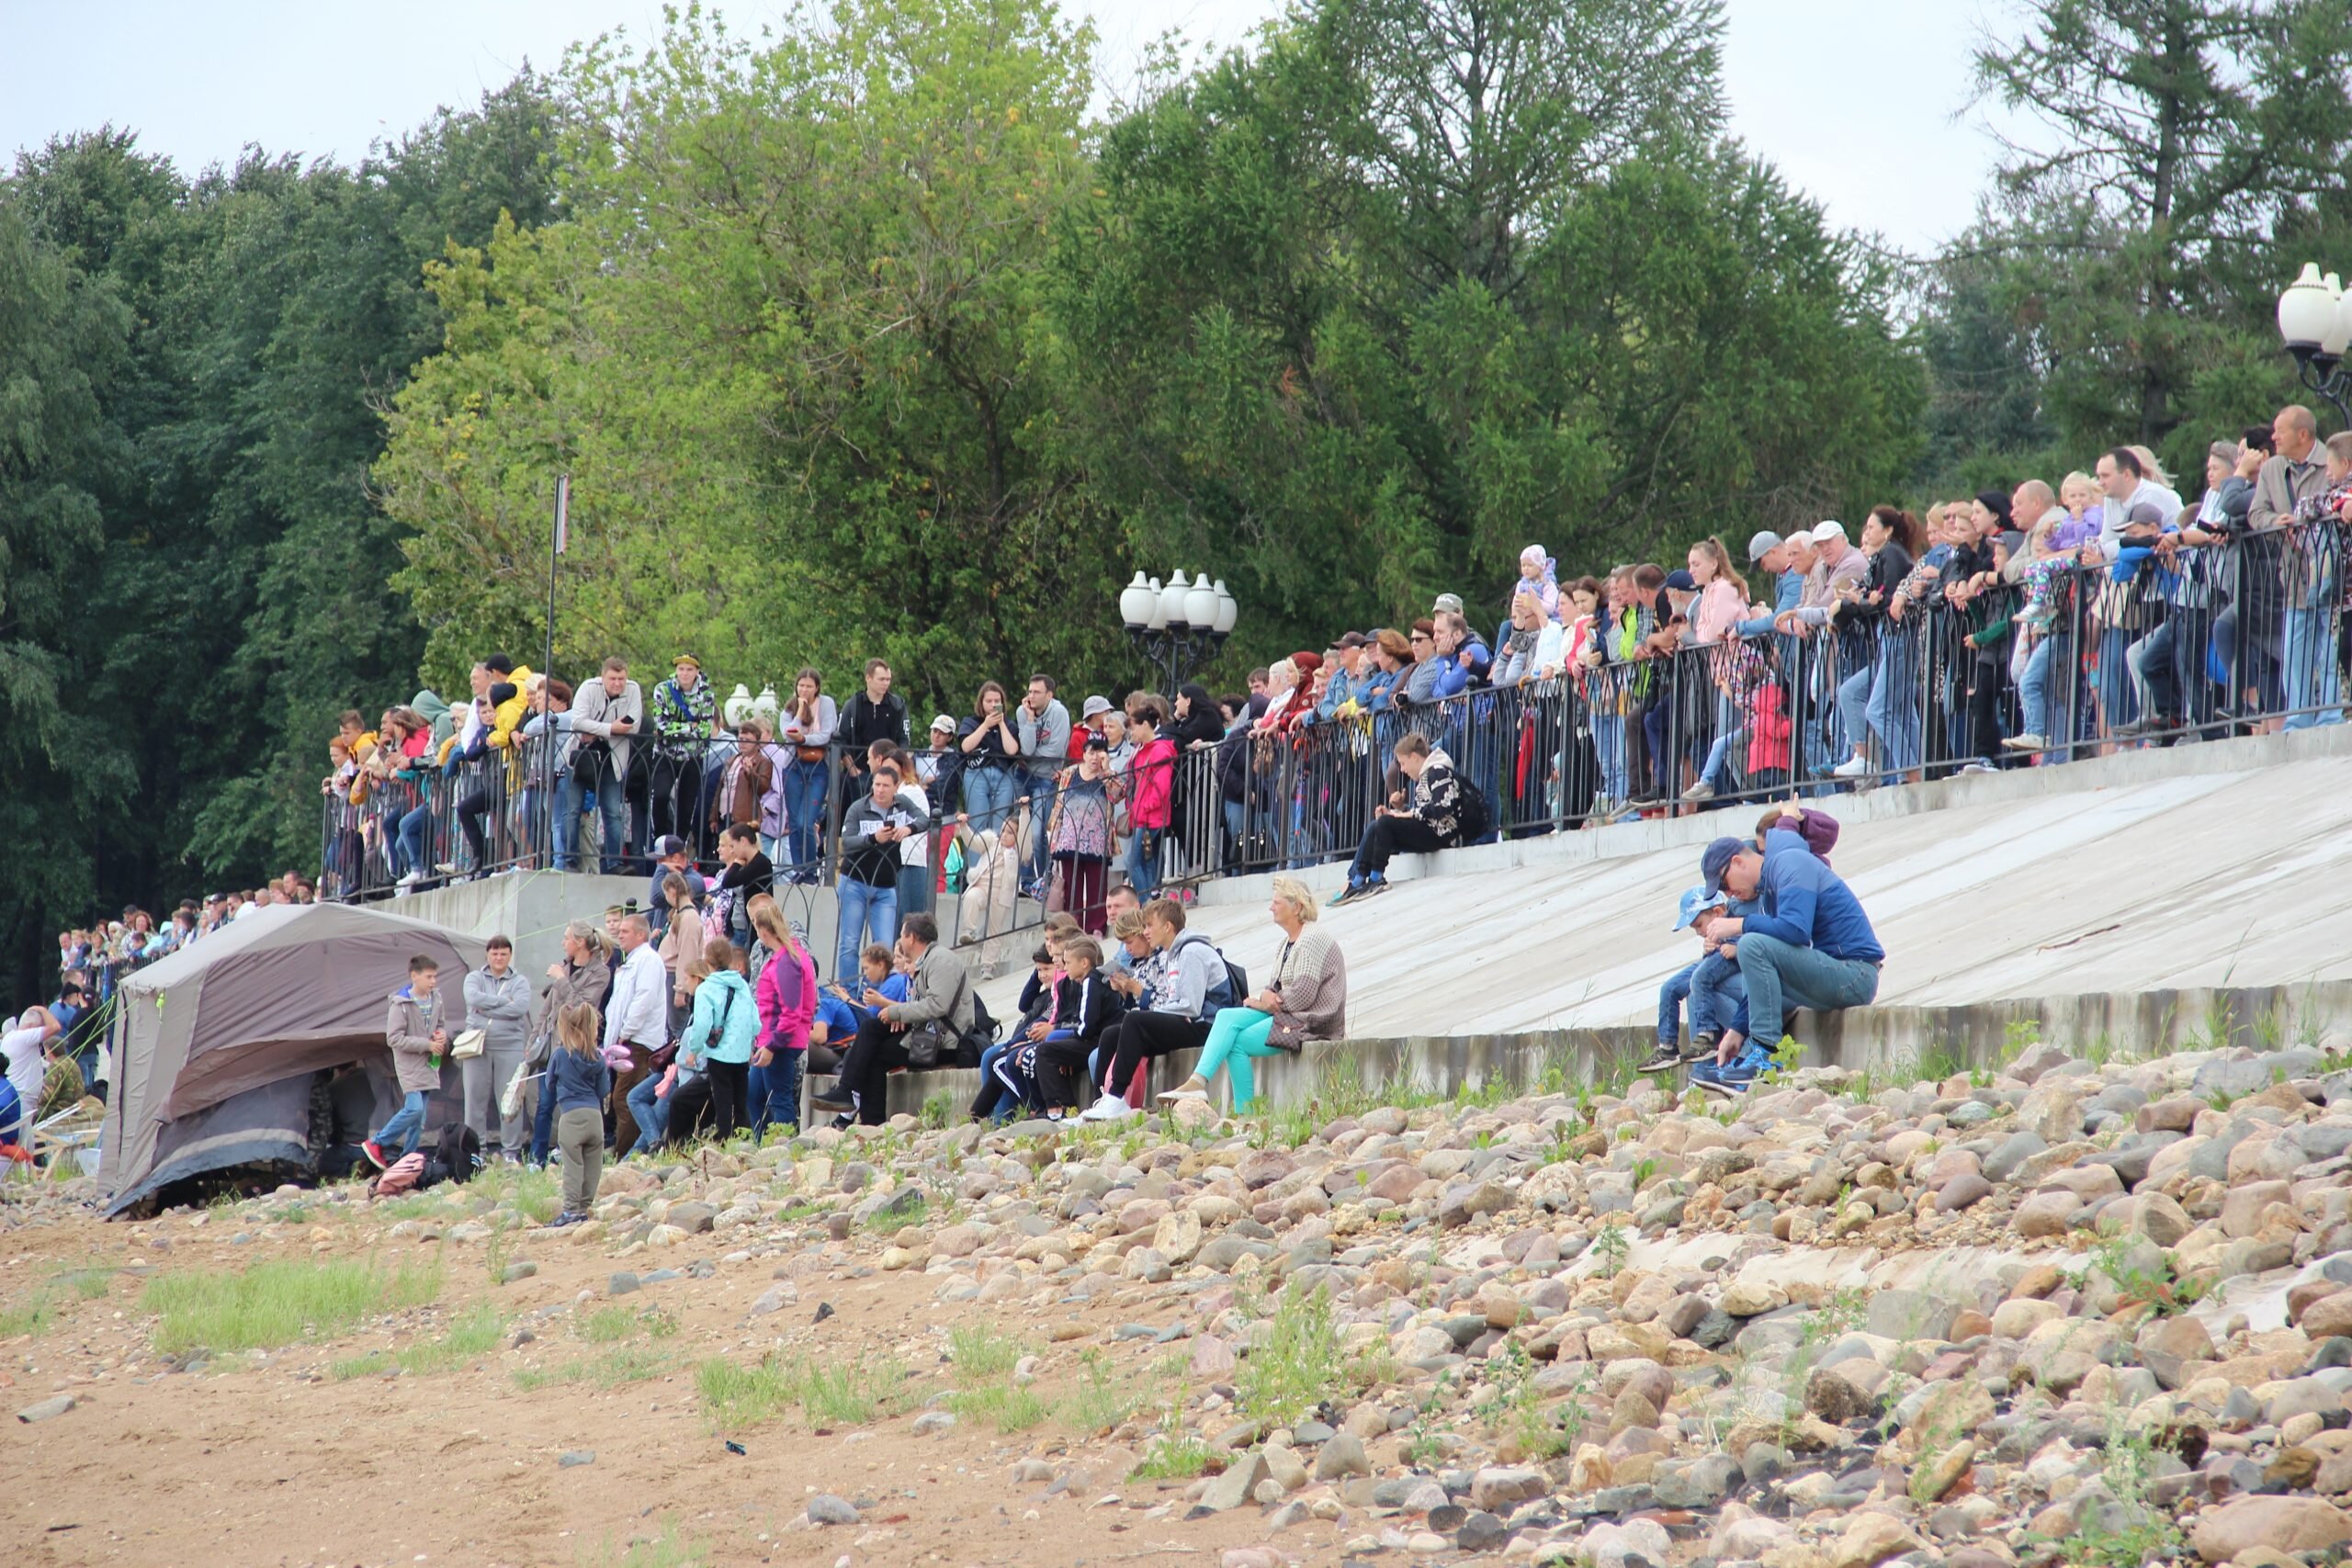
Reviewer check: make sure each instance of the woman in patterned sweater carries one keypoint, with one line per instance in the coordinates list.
(1307, 1000)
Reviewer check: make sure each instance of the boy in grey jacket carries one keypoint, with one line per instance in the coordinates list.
(413, 1030)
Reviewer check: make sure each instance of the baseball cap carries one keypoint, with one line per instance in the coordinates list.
(1355, 639)
(669, 844)
(685, 659)
(1448, 602)
(1832, 529)
(1695, 899)
(1716, 857)
(1762, 543)
(1681, 581)
(943, 722)
(1094, 705)
(2147, 515)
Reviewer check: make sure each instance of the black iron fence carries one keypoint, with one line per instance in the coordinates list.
(2063, 659)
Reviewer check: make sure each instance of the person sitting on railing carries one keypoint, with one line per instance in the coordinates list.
(1429, 821)
(1306, 999)
(468, 765)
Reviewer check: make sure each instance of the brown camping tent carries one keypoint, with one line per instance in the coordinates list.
(216, 1047)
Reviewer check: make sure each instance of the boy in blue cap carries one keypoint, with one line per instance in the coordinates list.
(1703, 983)
(1808, 944)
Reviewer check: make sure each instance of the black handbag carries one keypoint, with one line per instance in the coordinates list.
(926, 1044)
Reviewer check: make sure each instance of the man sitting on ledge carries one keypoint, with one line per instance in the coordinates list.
(1809, 944)
(939, 997)
(1431, 820)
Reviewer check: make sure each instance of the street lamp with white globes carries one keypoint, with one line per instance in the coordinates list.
(1178, 626)
(2315, 320)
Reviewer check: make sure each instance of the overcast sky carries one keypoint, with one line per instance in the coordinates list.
(1855, 100)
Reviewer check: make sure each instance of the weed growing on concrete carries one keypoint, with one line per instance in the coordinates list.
(939, 1111)
(279, 1302)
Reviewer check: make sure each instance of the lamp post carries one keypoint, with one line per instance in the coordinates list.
(2315, 320)
(1179, 627)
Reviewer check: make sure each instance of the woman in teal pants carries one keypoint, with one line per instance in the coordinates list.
(1306, 1000)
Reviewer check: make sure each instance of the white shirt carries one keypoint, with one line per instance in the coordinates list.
(915, 849)
(2114, 514)
(638, 1010)
(25, 1067)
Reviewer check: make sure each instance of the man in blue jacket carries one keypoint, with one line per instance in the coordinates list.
(1808, 944)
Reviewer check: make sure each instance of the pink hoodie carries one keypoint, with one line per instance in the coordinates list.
(788, 999)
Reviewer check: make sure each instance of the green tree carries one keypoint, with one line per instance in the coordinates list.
(2184, 138)
(1358, 315)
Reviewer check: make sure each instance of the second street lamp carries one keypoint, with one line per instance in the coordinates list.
(1176, 627)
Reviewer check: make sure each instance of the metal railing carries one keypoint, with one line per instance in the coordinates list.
(2157, 646)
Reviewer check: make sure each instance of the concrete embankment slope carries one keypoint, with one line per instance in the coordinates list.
(2152, 898)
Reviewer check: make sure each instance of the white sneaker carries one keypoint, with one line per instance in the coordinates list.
(1109, 1108)
(1853, 767)
(2028, 742)
(410, 878)
(1980, 767)
(1698, 792)
(1184, 1094)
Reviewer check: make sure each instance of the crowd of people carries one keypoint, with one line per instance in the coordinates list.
(647, 1033)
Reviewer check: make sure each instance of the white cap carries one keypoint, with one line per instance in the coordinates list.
(1829, 530)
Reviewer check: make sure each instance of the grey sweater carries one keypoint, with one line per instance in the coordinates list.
(593, 713)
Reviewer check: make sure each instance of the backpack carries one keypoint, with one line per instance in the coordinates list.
(978, 1038)
(459, 1150)
(1228, 992)
(1473, 818)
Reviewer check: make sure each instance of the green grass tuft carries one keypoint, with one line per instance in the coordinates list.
(279, 1302)
(848, 1395)
(476, 1333)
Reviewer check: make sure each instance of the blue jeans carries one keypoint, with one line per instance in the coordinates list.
(804, 807)
(2033, 693)
(2311, 675)
(1670, 1005)
(406, 1127)
(775, 1092)
(996, 1102)
(1143, 861)
(653, 1113)
(1718, 993)
(1235, 825)
(1608, 753)
(608, 810)
(543, 1121)
(2119, 704)
(408, 848)
(989, 793)
(1894, 708)
(866, 913)
(1237, 1036)
(1781, 975)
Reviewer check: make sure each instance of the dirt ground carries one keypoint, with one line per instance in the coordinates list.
(270, 1458)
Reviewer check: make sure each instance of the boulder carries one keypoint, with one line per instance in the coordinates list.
(2280, 1524)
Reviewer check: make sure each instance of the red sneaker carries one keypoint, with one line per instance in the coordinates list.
(375, 1155)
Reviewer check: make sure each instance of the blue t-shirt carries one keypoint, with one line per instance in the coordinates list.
(839, 1019)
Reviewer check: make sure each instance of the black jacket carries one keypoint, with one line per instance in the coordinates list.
(865, 721)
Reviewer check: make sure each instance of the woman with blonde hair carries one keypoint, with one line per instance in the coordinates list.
(1306, 1000)
(786, 993)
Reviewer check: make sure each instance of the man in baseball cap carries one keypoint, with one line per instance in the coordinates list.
(1761, 543)
(1808, 944)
